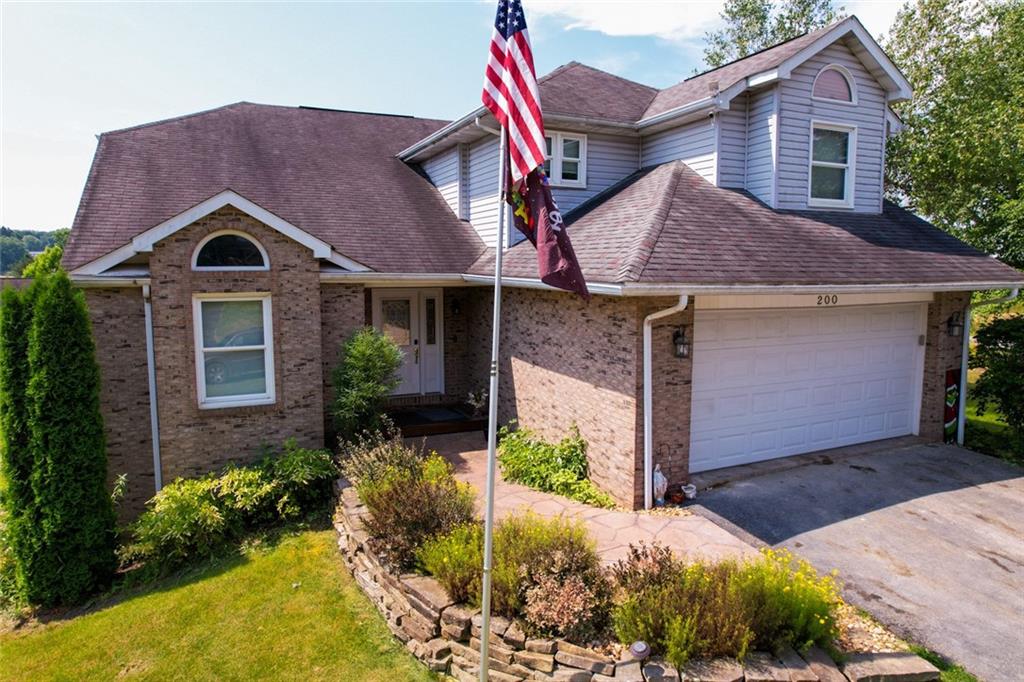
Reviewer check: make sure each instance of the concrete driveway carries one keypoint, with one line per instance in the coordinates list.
(927, 538)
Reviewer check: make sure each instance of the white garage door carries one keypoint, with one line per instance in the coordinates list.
(779, 382)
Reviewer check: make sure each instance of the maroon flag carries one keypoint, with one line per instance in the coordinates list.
(536, 215)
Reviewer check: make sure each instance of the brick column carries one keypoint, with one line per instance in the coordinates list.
(942, 352)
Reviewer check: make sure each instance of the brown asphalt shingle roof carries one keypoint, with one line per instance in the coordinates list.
(333, 174)
(669, 225)
(701, 85)
(576, 89)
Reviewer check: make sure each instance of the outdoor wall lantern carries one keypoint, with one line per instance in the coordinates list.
(680, 346)
(456, 308)
(954, 326)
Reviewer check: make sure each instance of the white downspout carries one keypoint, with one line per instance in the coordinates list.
(154, 424)
(684, 299)
(961, 419)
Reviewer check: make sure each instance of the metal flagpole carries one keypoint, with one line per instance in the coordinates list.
(492, 415)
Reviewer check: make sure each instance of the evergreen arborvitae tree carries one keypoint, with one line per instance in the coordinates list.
(74, 538)
(15, 451)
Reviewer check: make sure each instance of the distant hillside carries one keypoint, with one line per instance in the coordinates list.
(17, 245)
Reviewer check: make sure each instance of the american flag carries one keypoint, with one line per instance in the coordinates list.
(510, 89)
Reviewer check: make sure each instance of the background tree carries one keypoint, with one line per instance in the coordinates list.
(46, 263)
(74, 538)
(752, 25)
(958, 160)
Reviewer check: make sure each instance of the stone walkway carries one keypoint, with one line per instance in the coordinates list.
(613, 530)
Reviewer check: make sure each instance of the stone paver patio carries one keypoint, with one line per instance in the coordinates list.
(613, 530)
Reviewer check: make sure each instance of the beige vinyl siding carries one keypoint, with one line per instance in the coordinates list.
(692, 143)
(797, 109)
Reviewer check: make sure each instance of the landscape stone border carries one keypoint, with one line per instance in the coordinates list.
(446, 636)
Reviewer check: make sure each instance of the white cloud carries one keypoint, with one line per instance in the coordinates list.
(667, 20)
(679, 20)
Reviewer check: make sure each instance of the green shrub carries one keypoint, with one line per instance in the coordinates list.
(999, 349)
(246, 496)
(704, 609)
(183, 522)
(303, 479)
(16, 462)
(407, 507)
(456, 560)
(546, 570)
(788, 603)
(190, 519)
(369, 457)
(366, 374)
(73, 535)
(555, 468)
(46, 263)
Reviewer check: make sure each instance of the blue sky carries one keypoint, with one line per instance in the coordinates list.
(70, 71)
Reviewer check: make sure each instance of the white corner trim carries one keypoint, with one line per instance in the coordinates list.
(143, 243)
(222, 268)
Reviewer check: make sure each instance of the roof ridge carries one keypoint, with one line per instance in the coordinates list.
(646, 239)
(175, 119)
(613, 75)
(822, 29)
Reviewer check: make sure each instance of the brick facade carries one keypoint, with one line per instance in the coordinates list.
(942, 352)
(119, 329)
(342, 312)
(563, 361)
(193, 440)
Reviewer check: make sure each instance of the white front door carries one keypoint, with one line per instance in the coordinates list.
(412, 318)
(779, 382)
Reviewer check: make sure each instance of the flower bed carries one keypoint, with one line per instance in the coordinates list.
(446, 636)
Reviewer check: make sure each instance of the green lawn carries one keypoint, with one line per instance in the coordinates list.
(290, 611)
(987, 433)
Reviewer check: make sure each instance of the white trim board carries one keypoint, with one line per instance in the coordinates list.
(144, 242)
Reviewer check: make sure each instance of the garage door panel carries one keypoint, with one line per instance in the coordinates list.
(813, 379)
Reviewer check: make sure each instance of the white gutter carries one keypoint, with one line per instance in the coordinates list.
(689, 108)
(404, 278)
(667, 289)
(649, 398)
(961, 419)
(438, 135)
(101, 282)
(154, 422)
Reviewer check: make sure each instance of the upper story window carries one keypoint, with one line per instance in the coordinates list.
(565, 159)
(234, 349)
(835, 84)
(229, 250)
(833, 148)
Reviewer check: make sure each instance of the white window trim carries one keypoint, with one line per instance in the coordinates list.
(267, 398)
(556, 159)
(850, 165)
(850, 82)
(230, 268)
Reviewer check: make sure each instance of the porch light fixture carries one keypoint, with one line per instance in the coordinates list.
(955, 326)
(680, 346)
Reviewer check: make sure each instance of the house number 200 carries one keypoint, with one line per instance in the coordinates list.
(828, 299)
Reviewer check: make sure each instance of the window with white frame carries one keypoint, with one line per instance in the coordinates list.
(565, 160)
(833, 147)
(234, 349)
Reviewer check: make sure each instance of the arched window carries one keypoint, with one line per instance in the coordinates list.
(230, 250)
(834, 83)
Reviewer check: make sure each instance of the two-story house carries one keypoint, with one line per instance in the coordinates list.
(755, 295)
